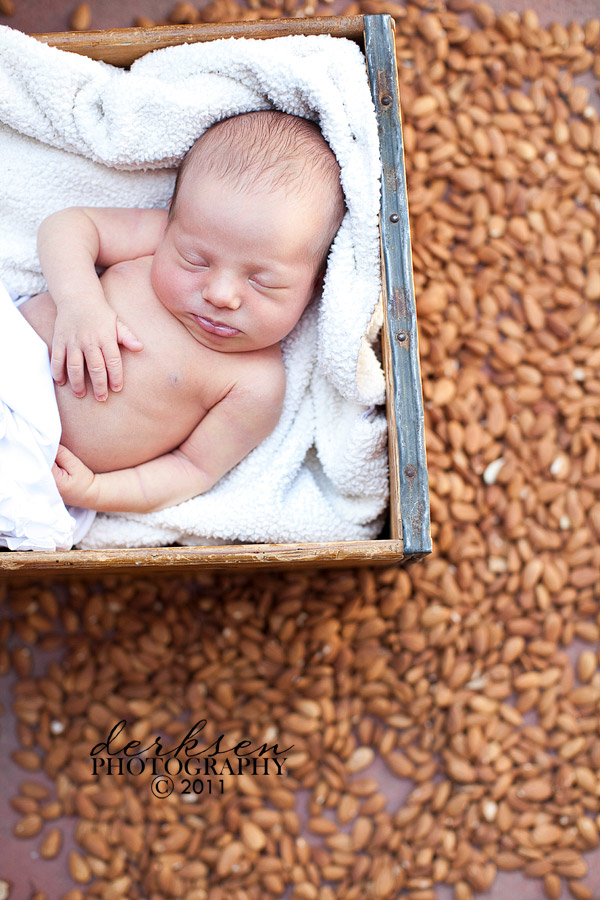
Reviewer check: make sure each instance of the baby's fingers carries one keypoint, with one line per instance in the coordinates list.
(64, 465)
(76, 372)
(57, 363)
(65, 458)
(102, 364)
(112, 354)
(73, 479)
(112, 369)
(127, 338)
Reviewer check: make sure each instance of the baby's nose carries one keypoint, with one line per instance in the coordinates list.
(221, 290)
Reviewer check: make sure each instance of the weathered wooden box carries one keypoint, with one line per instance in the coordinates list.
(407, 535)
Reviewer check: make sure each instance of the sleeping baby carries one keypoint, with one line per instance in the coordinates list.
(198, 298)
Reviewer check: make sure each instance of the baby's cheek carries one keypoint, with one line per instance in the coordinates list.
(155, 273)
(159, 276)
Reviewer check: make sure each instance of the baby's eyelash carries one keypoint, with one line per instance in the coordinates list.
(197, 261)
(196, 264)
(267, 287)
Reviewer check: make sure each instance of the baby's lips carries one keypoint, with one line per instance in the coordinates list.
(216, 327)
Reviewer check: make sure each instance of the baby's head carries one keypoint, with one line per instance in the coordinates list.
(269, 151)
(256, 206)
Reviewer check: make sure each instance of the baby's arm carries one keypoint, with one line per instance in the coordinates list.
(228, 432)
(87, 331)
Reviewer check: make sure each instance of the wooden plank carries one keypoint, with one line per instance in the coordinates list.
(121, 46)
(393, 452)
(33, 564)
(405, 398)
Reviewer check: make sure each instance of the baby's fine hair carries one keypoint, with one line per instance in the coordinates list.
(271, 150)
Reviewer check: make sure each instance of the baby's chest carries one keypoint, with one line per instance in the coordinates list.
(173, 371)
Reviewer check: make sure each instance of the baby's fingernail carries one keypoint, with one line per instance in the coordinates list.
(103, 398)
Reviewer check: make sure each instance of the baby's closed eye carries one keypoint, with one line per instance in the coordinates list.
(263, 281)
(196, 262)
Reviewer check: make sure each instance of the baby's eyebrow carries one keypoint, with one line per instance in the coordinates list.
(272, 265)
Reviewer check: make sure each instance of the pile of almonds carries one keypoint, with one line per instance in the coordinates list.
(445, 718)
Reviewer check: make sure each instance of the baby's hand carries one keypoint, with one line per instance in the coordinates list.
(90, 338)
(75, 482)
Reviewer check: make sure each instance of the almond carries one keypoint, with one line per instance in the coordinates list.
(81, 17)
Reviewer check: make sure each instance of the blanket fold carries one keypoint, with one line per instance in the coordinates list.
(74, 131)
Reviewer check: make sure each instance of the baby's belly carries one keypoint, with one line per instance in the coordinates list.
(131, 427)
(162, 399)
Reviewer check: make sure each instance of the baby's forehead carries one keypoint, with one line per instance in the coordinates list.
(294, 181)
(266, 189)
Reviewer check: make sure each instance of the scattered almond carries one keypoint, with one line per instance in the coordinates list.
(81, 17)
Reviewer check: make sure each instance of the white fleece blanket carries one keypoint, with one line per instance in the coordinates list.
(74, 131)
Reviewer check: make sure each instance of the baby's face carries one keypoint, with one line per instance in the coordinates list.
(237, 268)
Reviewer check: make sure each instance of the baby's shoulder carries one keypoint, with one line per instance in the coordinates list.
(137, 268)
(261, 373)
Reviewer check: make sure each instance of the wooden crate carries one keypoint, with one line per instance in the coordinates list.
(408, 536)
